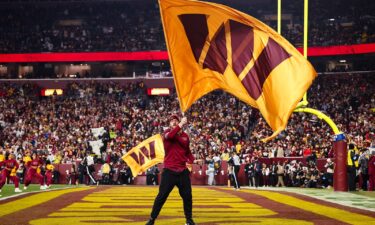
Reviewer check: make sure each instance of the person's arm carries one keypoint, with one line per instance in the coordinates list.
(171, 134)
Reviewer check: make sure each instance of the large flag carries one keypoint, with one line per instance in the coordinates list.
(212, 46)
(145, 155)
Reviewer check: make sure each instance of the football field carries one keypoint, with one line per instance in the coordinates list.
(211, 205)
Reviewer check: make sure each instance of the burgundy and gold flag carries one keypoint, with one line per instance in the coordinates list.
(212, 46)
(145, 155)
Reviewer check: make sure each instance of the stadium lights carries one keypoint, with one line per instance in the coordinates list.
(342, 61)
(332, 19)
(158, 91)
(50, 92)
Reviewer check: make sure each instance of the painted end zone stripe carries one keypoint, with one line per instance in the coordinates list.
(334, 213)
(36, 199)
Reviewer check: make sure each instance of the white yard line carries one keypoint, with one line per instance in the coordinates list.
(36, 191)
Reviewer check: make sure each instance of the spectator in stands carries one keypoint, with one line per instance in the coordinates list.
(87, 27)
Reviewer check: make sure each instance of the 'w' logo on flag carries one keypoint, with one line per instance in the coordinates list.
(145, 155)
(252, 72)
(229, 50)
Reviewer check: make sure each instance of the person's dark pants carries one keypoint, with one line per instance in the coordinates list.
(81, 177)
(149, 179)
(251, 181)
(124, 178)
(236, 183)
(328, 181)
(329, 178)
(364, 181)
(273, 180)
(351, 178)
(155, 179)
(257, 179)
(169, 179)
(265, 180)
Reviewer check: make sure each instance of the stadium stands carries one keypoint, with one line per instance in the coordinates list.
(63, 123)
(90, 26)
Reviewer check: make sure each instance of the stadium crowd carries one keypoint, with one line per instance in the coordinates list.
(136, 26)
(64, 129)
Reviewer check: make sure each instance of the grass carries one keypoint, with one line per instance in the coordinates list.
(323, 192)
(370, 194)
(8, 189)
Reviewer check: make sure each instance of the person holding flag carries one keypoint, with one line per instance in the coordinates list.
(175, 173)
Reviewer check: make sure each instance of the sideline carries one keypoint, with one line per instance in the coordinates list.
(37, 191)
(342, 198)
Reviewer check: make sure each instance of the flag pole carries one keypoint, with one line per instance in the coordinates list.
(279, 16)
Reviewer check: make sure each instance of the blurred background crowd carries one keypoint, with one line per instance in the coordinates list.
(76, 26)
(107, 119)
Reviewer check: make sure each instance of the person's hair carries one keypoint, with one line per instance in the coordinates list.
(351, 146)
